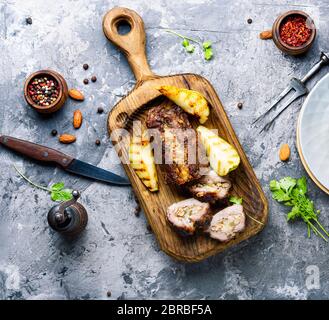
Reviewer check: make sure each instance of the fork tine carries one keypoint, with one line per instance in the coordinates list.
(283, 107)
(274, 103)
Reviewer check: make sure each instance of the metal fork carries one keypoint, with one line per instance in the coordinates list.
(299, 88)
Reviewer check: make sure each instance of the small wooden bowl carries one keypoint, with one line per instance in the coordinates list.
(63, 91)
(275, 33)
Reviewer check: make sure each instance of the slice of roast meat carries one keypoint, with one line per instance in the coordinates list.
(188, 215)
(210, 187)
(177, 138)
(227, 223)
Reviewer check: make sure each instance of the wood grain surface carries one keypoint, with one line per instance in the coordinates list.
(134, 107)
(63, 91)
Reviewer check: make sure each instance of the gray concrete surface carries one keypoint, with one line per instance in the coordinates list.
(117, 253)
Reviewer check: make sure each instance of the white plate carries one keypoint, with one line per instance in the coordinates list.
(313, 134)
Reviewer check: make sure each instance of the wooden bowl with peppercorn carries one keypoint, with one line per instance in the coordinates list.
(46, 91)
(293, 32)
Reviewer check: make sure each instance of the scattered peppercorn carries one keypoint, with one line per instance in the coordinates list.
(100, 110)
(294, 31)
(85, 81)
(240, 105)
(28, 20)
(93, 79)
(137, 211)
(138, 207)
(85, 66)
(44, 91)
(97, 142)
(54, 133)
(108, 293)
(249, 21)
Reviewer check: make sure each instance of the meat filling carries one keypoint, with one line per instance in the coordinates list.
(210, 188)
(188, 215)
(227, 223)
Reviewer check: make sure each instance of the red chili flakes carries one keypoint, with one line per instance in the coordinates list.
(294, 31)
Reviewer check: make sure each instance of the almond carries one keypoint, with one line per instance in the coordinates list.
(77, 119)
(66, 138)
(76, 95)
(266, 35)
(284, 153)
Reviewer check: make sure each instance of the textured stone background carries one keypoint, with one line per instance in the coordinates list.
(116, 252)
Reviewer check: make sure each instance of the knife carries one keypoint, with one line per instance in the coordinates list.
(68, 163)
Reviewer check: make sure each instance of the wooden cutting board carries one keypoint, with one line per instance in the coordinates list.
(134, 107)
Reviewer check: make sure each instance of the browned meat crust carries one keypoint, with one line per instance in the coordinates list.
(167, 119)
(167, 116)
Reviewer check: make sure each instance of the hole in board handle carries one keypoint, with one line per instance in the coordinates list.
(123, 26)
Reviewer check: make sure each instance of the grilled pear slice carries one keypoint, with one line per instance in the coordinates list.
(223, 157)
(141, 159)
(190, 101)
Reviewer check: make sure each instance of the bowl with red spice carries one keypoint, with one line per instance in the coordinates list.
(46, 91)
(293, 32)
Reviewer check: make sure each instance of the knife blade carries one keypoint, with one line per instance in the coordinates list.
(68, 163)
(90, 171)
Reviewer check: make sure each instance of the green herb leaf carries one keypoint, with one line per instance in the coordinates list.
(235, 200)
(62, 195)
(208, 54)
(185, 43)
(57, 191)
(190, 48)
(293, 214)
(292, 192)
(302, 186)
(280, 195)
(57, 186)
(287, 184)
(274, 185)
(206, 44)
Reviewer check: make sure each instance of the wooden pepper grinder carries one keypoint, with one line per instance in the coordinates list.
(68, 218)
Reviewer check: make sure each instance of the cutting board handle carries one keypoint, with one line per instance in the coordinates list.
(132, 44)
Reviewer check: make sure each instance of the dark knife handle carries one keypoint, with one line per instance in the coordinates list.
(36, 151)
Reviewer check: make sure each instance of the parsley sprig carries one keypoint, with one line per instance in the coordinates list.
(292, 193)
(206, 45)
(57, 191)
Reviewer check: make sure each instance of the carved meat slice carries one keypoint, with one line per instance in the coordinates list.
(177, 139)
(227, 223)
(210, 188)
(188, 215)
